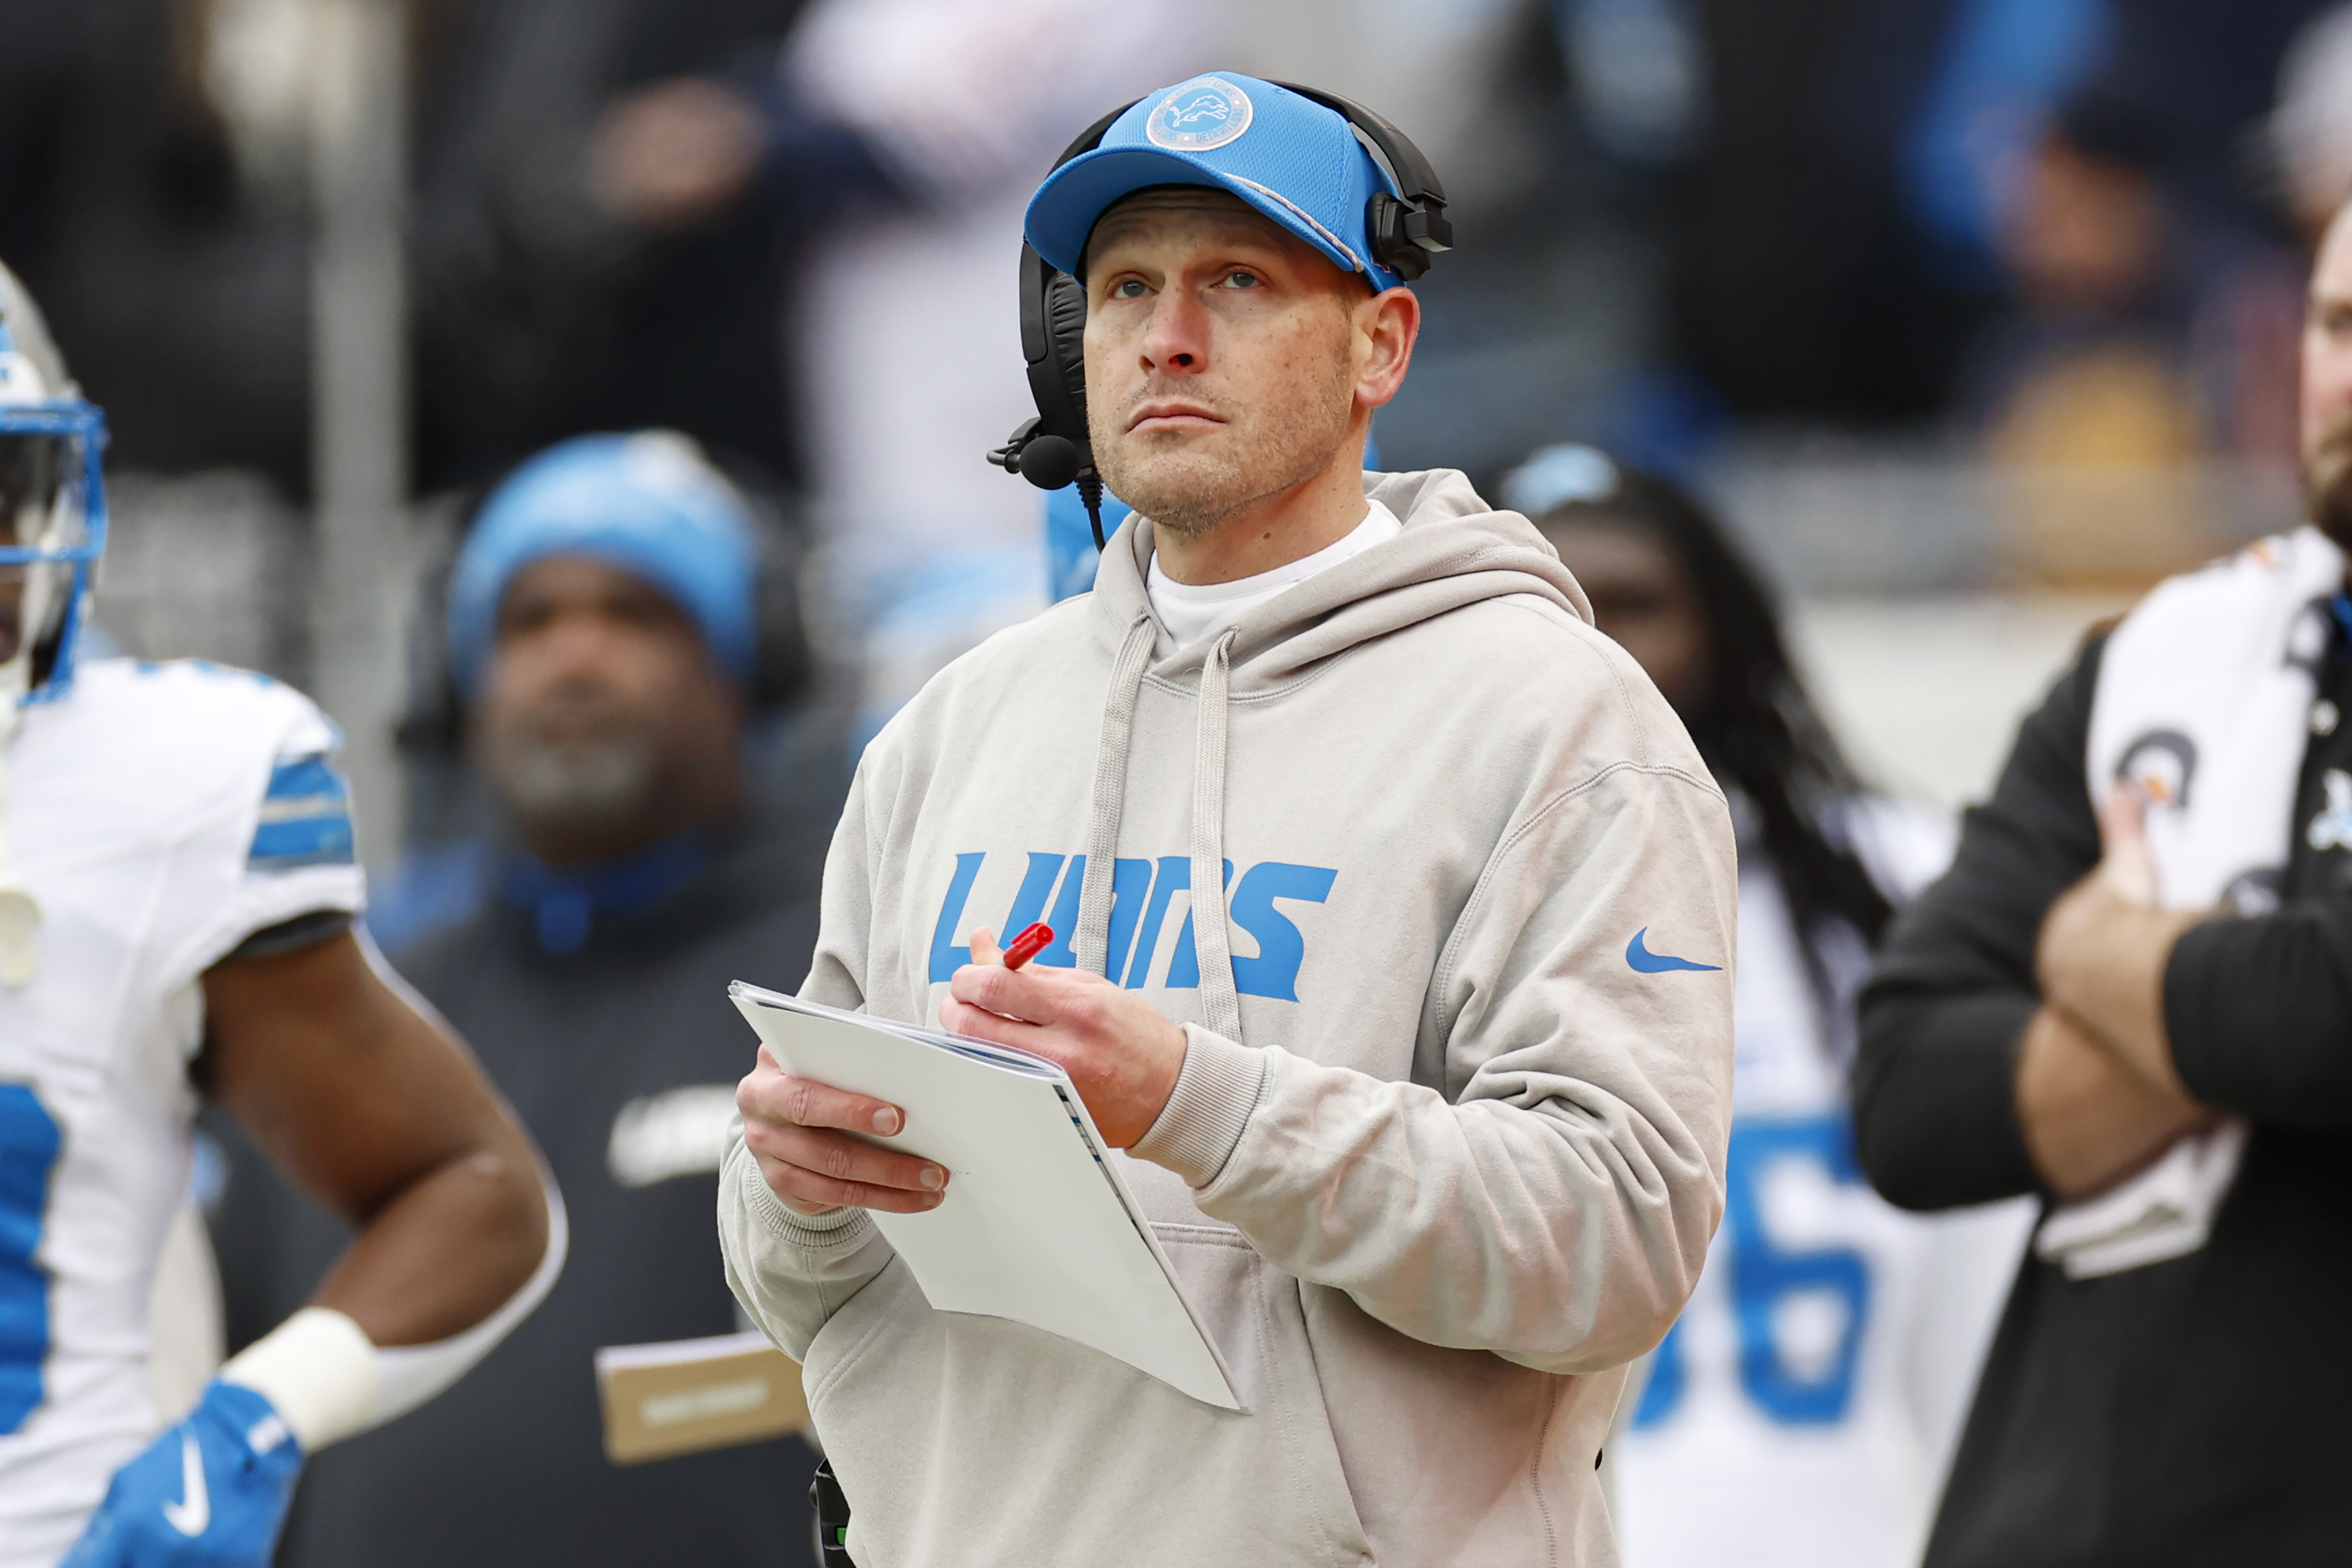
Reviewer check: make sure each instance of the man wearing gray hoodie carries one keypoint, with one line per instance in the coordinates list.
(1428, 1108)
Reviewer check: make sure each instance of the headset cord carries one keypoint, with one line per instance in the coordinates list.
(1090, 491)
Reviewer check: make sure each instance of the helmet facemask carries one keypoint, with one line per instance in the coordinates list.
(30, 606)
(52, 524)
(52, 530)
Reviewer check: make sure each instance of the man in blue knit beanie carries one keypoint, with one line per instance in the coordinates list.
(601, 632)
(604, 633)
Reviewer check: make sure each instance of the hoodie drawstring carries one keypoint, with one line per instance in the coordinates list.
(1212, 939)
(1091, 944)
(1221, 1004)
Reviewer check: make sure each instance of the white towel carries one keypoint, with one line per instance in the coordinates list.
(2166, 1212)
(2204, 700)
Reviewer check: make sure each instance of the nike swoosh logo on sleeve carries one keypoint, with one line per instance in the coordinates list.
(193, 1512)
(1644, 962)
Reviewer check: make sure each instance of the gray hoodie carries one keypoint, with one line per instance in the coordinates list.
(1448, 1145)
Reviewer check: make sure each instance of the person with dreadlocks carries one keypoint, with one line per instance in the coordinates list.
(1800, 1411)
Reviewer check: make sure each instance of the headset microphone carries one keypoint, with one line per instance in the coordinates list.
(1053, 449)
(1050, 462)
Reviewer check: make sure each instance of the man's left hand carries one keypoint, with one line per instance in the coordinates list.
(1119, 1049)
(2105, 942)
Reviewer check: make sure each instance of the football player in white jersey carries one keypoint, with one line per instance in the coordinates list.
(1802, 1409)
(177, 896)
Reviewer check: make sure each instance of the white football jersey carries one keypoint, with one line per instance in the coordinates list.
(161, 814)
(1802, 1410)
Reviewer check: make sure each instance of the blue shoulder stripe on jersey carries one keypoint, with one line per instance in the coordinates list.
(306, 818)
(306, 778)
(305, 841)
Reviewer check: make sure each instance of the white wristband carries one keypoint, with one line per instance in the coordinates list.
(319, 1369)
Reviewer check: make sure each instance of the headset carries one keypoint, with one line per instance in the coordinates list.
(1406, 230)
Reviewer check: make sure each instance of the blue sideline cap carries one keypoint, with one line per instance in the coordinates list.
(648, 504)
(1287, 156)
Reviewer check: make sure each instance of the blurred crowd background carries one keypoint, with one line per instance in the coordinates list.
(1972, 317)
(1973, 314)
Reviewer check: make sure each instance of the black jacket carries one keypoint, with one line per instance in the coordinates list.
(507, 1467)
(2192, 1411)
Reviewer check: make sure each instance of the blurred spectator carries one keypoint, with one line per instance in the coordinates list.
(2191, 79)
(2090, 366)
(2004, 69)
(2102, 248)
(1800, 1411)
(972, 102)
(165, 256)
(1834, 176)
(2155, 312)
(581, 259)
(2145, 337)
(2199, 77)
(609, 631)
(1800, 286)
(2158, 300)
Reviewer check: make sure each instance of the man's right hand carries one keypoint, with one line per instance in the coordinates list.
(804, 1137)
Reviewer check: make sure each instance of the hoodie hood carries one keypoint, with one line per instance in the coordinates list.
(1425, 571)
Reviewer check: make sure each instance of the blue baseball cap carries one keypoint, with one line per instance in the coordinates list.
(1289, 157)
(648, 504)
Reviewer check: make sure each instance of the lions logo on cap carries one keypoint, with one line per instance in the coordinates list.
(1206, 113)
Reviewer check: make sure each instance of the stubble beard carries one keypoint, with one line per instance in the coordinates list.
(2327, 481)
(1189, 492)
(572, 787)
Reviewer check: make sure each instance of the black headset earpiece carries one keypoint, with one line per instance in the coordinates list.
(1053, 449)
(1052, 334)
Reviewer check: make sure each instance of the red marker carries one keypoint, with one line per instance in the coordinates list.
(1028, 945)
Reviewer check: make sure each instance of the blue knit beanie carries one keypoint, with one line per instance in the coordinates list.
(648, 504)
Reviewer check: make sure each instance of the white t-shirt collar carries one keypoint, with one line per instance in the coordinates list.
(1192, 611)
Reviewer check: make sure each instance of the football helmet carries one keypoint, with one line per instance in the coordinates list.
(52, 503)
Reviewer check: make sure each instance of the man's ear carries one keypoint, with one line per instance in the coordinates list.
(1387, 326)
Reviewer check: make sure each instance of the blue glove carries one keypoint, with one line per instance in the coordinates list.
(212, 1492)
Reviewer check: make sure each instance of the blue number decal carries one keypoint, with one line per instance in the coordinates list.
(1763, 1278)
(29, 1142)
